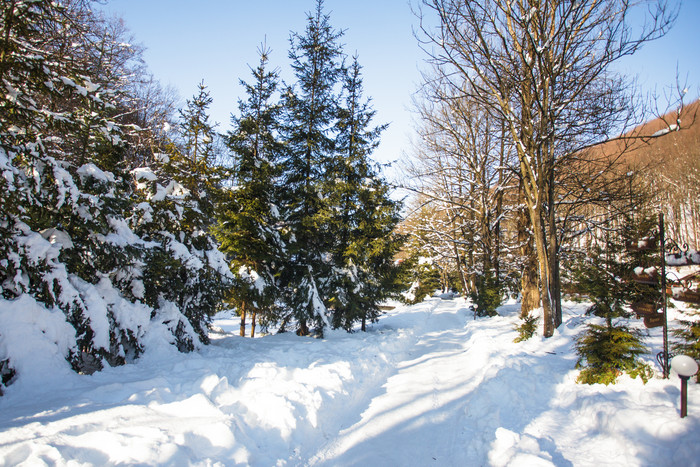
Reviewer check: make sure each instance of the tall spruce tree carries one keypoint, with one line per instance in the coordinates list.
(362, 215)
(311, 115)
(249, 220)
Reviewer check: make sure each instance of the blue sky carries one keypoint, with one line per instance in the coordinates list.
(189, 41)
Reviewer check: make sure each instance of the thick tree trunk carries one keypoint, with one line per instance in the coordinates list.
(529, 284)
(243, 311)
(460, 268)
(529, 289)
(554, 279)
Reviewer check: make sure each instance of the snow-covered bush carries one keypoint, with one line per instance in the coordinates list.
(75, 247)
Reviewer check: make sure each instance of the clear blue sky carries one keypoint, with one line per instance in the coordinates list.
(216, 40)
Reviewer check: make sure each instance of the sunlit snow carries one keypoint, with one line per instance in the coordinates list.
(427, 385)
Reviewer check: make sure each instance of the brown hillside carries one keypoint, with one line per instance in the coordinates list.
(674, 147)
(670, 165)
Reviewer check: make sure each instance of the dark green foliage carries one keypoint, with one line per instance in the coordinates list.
(311, 112)
(249, 221)
(606, 352)
(605, 276)
(180, 265)
(74, 233)
(488, 295)
(7, 373)
(196, 130)
(601, 276)
(184, 269)
(61, 153)
(362, 215)
(335, 209)
(527, 328)
(642, 228)
(423, 278)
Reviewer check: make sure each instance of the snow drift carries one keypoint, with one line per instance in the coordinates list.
(427, 385)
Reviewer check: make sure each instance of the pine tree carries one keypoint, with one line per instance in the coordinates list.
(249, 220)
(362, 215)
(605, 275)
(60, 150)
(423, 276)
(196, 130)
(177, 212)
(311, 112)
(76, 236)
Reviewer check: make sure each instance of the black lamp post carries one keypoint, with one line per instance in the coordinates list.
(685, 367)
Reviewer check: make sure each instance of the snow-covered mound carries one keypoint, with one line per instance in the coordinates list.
(427, 385)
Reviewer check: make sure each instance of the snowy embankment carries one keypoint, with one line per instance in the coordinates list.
(426, 386)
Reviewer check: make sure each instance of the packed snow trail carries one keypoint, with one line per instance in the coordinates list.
(418, 415)
(427, 385)
(437, 409)
(466, 394)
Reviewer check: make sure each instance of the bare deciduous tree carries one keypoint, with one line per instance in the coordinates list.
(544, 69)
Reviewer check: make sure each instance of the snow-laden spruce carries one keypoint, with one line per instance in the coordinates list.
(88, 250)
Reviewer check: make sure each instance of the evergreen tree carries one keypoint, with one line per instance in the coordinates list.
(60, 150)
(311, 113)
(249, 220)
(488, 294)
(196, 130)
(362, 215)
(424, 278)
(177, 213)
(75, 235)
(605, 351)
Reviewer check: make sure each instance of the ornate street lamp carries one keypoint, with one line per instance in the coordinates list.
(685, 367)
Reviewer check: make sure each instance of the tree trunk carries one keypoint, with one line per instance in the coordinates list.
(364, 323)
(243, 311)
(544, 273)
(5, 46)
(252, 324)
(554, 280)
(529, 284)
(303, 329)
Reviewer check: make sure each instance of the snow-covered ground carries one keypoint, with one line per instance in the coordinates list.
(427, 385)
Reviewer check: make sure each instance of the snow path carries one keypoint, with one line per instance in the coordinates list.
(438, 408)
(418, 414)
(426, 386)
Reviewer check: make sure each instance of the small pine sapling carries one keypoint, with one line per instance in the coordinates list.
(605, 352)
(527, 328)
(488, 295)
(604, 275)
